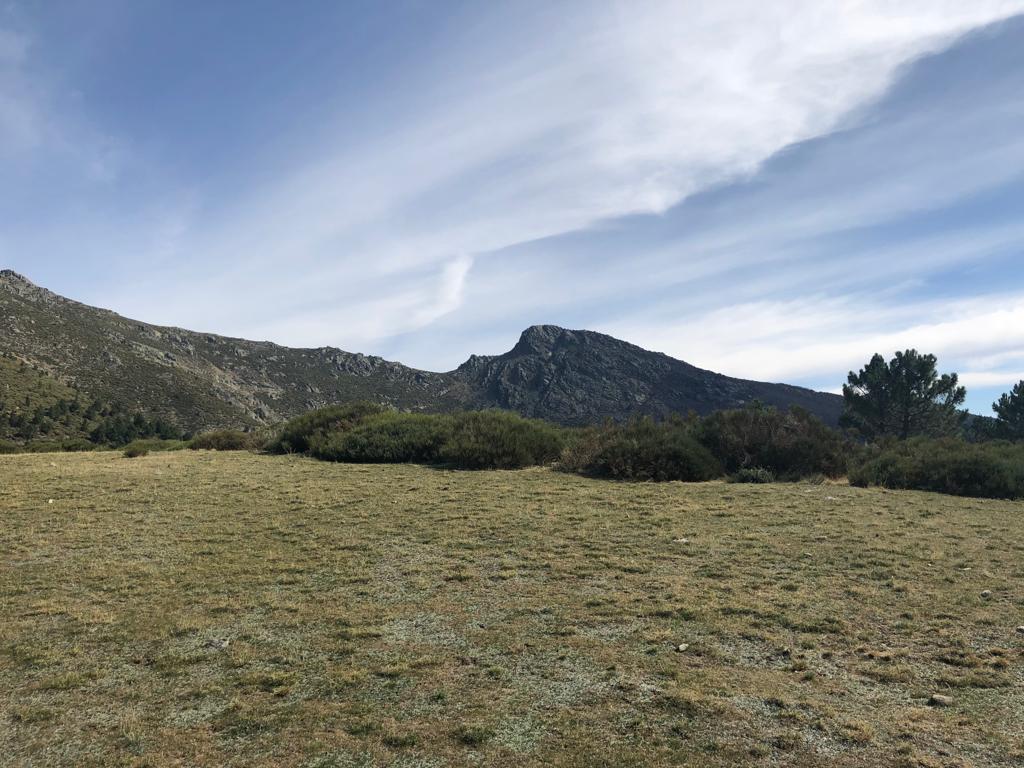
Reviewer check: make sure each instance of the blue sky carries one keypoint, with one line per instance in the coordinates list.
(771, 190)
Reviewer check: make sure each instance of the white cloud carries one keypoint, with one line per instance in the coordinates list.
(810, 338)
(615, 109)
(991, 378)
(370, 310)
(449, 293)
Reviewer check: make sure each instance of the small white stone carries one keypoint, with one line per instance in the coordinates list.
(49, 501)
(681, 648)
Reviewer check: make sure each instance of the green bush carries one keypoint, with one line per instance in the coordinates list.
(224, 440)
(7, 447)
(752, 475)
(386, 438)
(155, 445)
(988, 470)
(787, 445)
(70, 444)
(500, 440)
(134, 451)
(120, 428)
(472, 440)
(791, 444)
(641, 450)
(76, 445)
(298, 434)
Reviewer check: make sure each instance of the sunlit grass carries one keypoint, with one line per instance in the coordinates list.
(195, 608)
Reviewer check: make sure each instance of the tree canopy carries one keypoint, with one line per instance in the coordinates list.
(903, 397)
(1010, 413)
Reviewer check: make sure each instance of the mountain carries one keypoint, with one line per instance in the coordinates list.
(577, 377)
(202, 380)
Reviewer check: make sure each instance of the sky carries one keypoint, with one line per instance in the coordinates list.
(774, 191)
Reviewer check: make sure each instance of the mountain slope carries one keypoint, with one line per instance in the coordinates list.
(204, 380)
(577, 377)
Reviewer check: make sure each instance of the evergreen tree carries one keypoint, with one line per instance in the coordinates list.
(902, 398)
(1010, 413)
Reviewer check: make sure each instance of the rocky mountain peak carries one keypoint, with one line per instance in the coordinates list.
(9, 275)
(543, 340)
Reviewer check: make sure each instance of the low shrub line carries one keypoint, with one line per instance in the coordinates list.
(786, 445)
(947, 465)
(755, 444)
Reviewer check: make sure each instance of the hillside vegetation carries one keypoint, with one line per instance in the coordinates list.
(756, 444)
(200, 608)
(201, 381)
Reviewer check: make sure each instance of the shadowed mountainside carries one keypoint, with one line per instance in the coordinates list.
(202, 380)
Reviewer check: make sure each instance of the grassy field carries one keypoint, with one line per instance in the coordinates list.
(196, 608)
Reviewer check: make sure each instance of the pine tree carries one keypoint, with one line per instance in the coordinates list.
(903, 398)
(1010, 413)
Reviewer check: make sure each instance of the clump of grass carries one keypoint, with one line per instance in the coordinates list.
(472, 734)
(64, 682)
(32, 714)
(277, 683)
(399, 740)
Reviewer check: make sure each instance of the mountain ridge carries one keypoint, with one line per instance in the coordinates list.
(205, 380)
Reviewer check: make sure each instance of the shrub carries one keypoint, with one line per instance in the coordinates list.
(386, 438)
(470, 440)
(500, 440)
(790, 445)
(752, 475)
(6, 446)
(121, 428)
(297, 435)
(133, 451)
(224, 440)
(77, 444)
(642, 450)
(155, 445)
(953, 466)
(69, 444)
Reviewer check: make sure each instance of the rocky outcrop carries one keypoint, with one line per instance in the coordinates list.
(579, 377)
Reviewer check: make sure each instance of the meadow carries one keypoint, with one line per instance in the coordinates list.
(195, 608)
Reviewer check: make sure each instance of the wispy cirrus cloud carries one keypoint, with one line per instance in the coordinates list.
(575, 119)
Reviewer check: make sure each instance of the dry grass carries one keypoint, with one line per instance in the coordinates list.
(236, 610)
